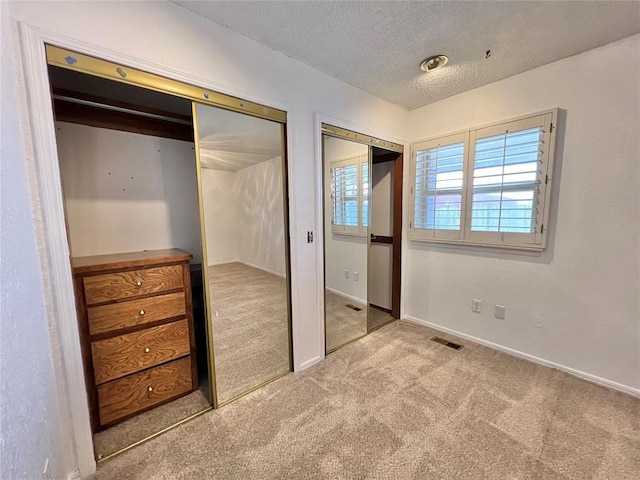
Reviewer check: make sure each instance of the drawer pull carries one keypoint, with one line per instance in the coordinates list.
(141, 313)
(138, 283)
(146, 350)
(150, 389)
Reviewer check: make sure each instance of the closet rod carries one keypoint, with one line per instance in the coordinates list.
(106, 106)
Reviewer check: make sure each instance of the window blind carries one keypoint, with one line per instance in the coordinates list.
(506, 171)
(345, 195)
(365, 191)
(438, 187)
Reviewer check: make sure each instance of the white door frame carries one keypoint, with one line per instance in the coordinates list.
(49, 211)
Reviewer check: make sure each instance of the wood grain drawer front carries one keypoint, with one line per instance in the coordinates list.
(116, 316)
(116, 286)
(136, 392)
(119, 356)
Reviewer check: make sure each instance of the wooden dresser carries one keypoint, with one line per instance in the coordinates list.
(136, 330)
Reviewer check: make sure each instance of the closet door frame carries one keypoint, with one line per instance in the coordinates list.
(50, 218)
(327, 126)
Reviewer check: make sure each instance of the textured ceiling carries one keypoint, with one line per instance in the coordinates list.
(378, 46)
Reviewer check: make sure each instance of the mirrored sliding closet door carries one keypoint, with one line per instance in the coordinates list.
(346, 219)
(243, 209)
(362, 195)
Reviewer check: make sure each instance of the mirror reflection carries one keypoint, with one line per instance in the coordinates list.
(381, 261)
(243, 210)
(346, 213)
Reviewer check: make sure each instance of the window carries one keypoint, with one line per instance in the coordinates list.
(487, 186)
(350, 195)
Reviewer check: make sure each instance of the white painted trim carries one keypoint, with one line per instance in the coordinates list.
(50, 195)
(272, 272)
(318, 119)
(349, 297)
(547, 363)
(75, 475)
(224, 262)
(312, 362)
(54, 231)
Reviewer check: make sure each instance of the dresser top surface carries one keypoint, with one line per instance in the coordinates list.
(96, 263)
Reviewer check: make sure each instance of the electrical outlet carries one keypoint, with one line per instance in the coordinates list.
(500, 311)
(476, 305)
(355, 276)
(346, 274)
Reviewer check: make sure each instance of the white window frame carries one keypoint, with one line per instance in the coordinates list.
(359, 230)
(535, 241)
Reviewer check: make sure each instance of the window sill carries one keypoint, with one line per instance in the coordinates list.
(466, 243)
(349, 234)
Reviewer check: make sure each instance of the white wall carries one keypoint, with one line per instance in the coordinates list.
(261, 238)
(166, 35)
(244, 216)
(219, 196)
(343, 252)
(577, 303)
(381, 254)
(34, 414)
(126, 192)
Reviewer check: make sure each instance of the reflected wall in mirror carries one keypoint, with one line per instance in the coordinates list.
(346, 213)
(243, 211)
(386, 237)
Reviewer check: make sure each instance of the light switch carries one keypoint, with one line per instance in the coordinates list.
(500, 311)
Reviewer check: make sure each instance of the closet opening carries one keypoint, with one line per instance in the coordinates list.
(176, 215)
(128, 171)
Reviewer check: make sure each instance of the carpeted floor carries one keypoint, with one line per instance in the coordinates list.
(250, 327)
(342, 323)
(395, 405)
(147, 423)
(377, 318)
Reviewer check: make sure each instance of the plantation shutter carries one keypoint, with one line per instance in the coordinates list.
(438, 188)
(507, 190)
(364, 164)
(350, 195)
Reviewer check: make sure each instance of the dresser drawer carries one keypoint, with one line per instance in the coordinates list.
(119, 356)
(122, 285)
(123, 397)
(116, 316)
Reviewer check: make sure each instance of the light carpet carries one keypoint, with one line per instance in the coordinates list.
(250, 327)
(395, 405)
(378, 318)
(152, 421)
(343, 324)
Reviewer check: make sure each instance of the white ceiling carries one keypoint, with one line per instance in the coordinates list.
(232, 141)
(378, 46)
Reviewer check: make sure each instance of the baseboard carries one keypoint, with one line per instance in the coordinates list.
(75, 475)
(277, 274)
(224, 262)
(634, 392)
(310, 363)
(350, 297)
